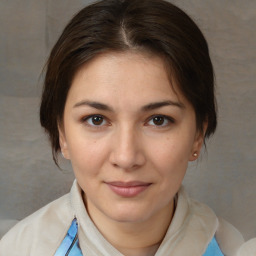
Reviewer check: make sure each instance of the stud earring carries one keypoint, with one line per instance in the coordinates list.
(195, 154)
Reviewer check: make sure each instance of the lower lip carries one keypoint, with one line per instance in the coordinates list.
(128, 191)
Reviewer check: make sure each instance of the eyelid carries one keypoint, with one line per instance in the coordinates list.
(170, 120)
(86, 118)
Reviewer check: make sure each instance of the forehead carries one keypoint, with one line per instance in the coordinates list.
(130, 75)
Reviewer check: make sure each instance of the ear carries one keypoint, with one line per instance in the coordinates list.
(63, 142)
(198, 143)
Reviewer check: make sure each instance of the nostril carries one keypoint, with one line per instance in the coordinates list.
(127, 161)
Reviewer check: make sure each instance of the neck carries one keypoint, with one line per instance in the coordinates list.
(136, 239)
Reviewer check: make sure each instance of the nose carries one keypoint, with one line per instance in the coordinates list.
(127, 150)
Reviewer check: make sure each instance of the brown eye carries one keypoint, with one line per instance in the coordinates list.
(95, 120)
(158, 120)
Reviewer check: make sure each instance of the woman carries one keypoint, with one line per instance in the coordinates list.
(129, 100)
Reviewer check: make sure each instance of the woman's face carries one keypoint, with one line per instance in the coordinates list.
(129, 136)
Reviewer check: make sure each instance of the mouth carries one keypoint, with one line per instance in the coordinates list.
(128, 189)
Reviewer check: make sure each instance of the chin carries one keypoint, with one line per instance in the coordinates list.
(128, 218)
(128, 214)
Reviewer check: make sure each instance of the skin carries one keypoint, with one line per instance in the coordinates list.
(129, 134)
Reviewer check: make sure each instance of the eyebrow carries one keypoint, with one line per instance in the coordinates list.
(148, 107)
(94, 104)
(157, 105)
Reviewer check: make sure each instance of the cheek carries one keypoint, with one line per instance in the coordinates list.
(173, 149)
(87, 155)
(171, 157)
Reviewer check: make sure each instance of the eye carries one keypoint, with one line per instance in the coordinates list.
(160, 120)
(95, 120)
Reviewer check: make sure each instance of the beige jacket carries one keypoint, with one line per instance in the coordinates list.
(190, 232)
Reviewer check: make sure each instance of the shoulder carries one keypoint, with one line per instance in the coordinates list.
(248, 248)
(232, 242)
(228, 237)
(41, 232)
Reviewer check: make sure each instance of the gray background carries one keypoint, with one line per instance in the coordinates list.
(224, 177)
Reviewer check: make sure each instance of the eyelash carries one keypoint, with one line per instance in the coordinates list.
(167, 119)
(87, 118)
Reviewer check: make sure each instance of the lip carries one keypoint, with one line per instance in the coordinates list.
(128, 189)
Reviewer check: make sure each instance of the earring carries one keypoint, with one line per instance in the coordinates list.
(62, 154)
(195, 154)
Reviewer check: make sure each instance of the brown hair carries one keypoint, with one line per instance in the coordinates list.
(122, 25)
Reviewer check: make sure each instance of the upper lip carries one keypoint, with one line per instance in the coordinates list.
(128, 184)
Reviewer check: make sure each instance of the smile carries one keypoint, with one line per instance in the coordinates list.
(128, 189)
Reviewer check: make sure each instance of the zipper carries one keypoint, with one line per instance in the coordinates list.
(71, 246)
